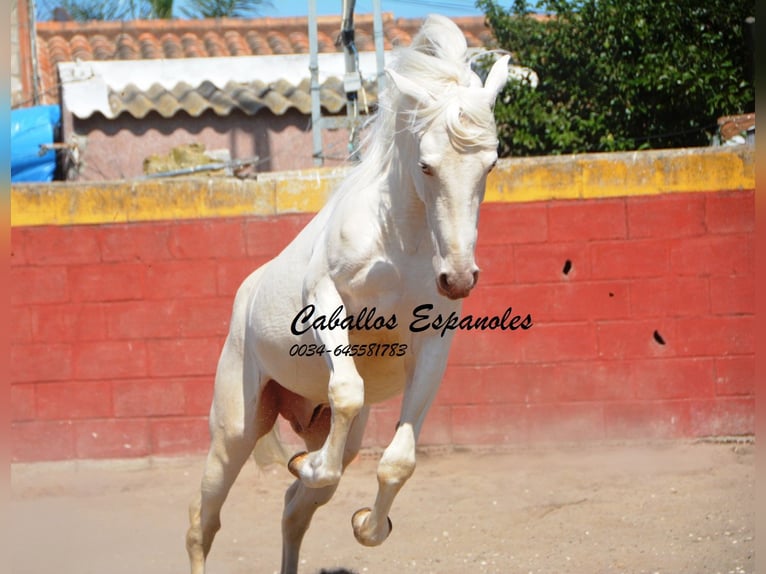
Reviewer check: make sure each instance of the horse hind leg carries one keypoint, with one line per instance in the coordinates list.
(238, 417)
(302, 501)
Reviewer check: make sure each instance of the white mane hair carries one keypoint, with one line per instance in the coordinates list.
(437, 60)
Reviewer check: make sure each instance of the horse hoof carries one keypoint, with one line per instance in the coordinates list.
(357, 522)
(294, 462)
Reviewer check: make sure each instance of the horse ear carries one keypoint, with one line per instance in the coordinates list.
(497, 78)
(408, 87)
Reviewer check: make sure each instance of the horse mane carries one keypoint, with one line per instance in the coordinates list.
(437, 59)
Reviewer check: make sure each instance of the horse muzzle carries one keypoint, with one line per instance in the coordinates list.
(457, 285)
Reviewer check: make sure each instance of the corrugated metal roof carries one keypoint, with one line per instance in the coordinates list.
(249, 98)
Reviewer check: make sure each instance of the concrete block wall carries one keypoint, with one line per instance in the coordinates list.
(637, 269)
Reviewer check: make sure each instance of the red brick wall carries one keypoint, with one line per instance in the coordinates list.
(116, 328)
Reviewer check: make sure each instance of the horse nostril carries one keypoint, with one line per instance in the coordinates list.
(475, 277)
(444, 282)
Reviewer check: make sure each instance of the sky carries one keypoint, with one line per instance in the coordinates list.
(399, 8)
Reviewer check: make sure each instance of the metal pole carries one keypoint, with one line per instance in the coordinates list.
(352, 81)
(32, 17)
(316, 109)
(377, 24)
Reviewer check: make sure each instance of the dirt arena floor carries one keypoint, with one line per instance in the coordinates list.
(675, 508)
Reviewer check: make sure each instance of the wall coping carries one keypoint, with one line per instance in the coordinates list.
(569, 177)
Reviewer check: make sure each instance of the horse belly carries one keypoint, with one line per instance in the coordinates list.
(383, 372)
(381, 362)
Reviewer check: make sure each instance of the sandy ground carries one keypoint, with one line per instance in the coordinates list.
(672, 508)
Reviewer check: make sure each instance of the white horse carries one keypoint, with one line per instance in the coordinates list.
(321, 331)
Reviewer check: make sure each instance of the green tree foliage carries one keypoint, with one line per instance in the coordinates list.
(224, 8)
(616, 75)
(85, 10)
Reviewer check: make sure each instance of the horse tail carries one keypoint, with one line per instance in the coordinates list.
(270, 449)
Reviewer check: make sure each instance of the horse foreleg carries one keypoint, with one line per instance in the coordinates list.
(301, 501)
(345, 394)
(372, 525)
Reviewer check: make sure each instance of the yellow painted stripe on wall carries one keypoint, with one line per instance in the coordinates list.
(586, 176)
(590, 176)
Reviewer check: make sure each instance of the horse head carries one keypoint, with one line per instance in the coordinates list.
(450, 147)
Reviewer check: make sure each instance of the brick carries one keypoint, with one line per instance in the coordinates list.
(735, 375)
(486, 347)
(495, 264)
(573, 382)
(544, 263)
(198, 395)
(41, 362)
(110, 360)
(714, 336)
(492, 300)
(61, 245)
(586, 220)
(720, 255)
(172, 358)
(33, 285)
(230, 273)
(202, 317)
(628, 259)
(730, 212)
(135, 242)
(732, 295)
(488, 424)
(74, 400)
(635, 339)
(22, 402)
(17, 256)
(673, 215)
(208, 238)
(179, 435)
(33, 441)
(669, 296)
(483, 384)
(112, 438)
(68, 322)
(20, 322)
(381, 423)
(565, 422)
(149, 397)
(723, 417)
(107, 282)
(673, 378)
(513, 223)
(437, 428)
(584, 301)
(267, 236)
(544, 343)
(181, 279)
(646, 420)
(169, 318)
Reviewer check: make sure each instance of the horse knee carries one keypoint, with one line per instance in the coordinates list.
(398, 461)
(346, 395)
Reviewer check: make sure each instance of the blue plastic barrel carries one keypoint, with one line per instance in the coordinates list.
(30, 128)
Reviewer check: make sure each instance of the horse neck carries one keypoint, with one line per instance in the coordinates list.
(403, 209)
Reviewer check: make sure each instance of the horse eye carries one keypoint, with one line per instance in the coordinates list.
(425, 168)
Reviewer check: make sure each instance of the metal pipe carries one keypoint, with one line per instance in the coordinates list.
(316, 110)
(352, 81)
(377, 26)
